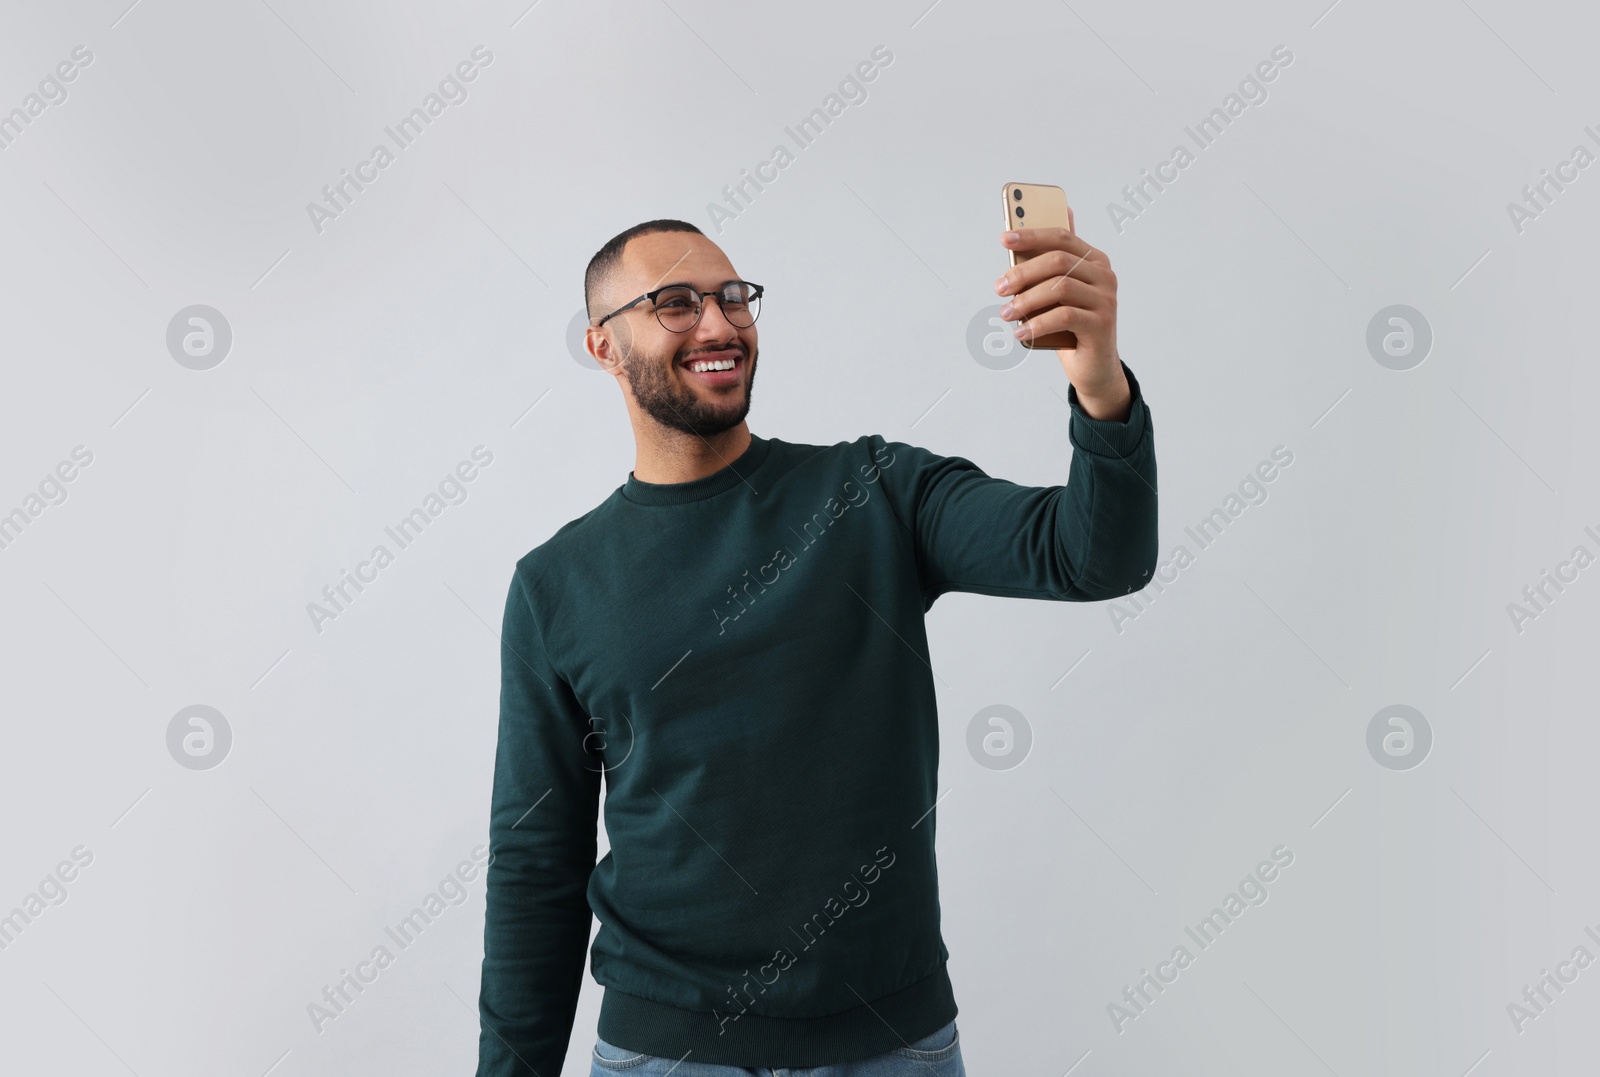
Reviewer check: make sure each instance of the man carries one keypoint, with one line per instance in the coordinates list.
(735, 640)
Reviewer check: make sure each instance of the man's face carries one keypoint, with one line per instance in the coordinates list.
(656, 363)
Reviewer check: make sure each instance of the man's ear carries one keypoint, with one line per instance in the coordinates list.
(601, 348)
(610, 348)
(595, 343)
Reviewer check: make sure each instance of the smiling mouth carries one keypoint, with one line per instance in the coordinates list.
(717, 368)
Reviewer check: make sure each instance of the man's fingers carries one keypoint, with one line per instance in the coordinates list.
(1052, 292)
(1037, 239)
(1056, 319)
(1054, 263)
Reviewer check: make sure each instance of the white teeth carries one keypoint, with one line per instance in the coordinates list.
(711, 364)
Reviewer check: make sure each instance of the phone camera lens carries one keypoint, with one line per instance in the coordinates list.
(1017, 194)
(1019, 211)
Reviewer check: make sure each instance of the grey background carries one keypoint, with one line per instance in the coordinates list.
(366, 361)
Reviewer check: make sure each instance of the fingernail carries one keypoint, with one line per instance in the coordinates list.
(1005, 312)
(1012, 237)
(1002, 286)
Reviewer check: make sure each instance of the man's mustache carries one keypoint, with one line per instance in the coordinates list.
(738, 346)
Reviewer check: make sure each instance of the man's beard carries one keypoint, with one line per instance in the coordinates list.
(679, 407)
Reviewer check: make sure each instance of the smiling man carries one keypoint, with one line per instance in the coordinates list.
(734, 641)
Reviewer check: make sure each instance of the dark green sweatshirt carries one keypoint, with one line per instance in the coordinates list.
(743, 659)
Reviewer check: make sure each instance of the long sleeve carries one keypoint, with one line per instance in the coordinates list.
(1094, 538)
(543, 813)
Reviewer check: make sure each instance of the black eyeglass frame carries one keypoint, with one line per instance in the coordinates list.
(756, 291)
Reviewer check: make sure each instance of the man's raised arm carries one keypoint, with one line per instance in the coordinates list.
(1093, 538)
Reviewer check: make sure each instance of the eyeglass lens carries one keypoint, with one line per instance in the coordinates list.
(679, 308)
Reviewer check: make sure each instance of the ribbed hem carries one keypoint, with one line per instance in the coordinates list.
(1107, 437)
(655, 1028)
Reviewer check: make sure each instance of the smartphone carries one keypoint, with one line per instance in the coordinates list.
(1037, 205)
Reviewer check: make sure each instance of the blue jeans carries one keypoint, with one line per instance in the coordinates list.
(937, 1054)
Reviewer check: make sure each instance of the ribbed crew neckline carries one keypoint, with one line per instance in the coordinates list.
(680, 493)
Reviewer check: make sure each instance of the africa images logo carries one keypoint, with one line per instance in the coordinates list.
(737, 197)
(821, 520)
(339, 195)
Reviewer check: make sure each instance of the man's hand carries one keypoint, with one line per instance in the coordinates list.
(1070, 285)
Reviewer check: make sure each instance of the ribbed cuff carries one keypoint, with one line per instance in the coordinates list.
(1106, 437)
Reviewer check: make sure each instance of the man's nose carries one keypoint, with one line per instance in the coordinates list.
(713, 325)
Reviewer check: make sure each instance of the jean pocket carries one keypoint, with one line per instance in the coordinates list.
(607, 1056)
(936, 1046)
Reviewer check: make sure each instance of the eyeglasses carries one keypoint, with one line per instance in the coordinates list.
(678, 306)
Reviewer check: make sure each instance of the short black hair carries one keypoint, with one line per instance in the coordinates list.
(607, 258)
